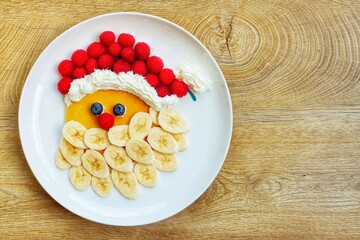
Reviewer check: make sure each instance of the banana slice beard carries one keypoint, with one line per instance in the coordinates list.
(140, 125)
(181, 141)
(60, 161)
(71, 153)
(95, 164)
(126, 183)
(146, 174)
(118, 159)
(171, 121)
(154, 115)
(165, 162)
(74, 133)
(119, 135)
(79, 178)
(140, 151)
(96, 138)
(162, 141)
(102, 186)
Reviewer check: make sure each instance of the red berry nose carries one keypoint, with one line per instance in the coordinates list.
(106, 121)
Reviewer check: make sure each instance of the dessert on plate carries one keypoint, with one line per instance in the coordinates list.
(121, 126)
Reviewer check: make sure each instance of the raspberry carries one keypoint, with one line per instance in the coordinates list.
(79, 57)
(79, 72)
(142, 51)
(91, 65)
(166, 76)
(121, 66)
(114, 49)
(154, 64)
(95, 50)
(105, 61)
(66, 68)
(128, 54)
(179, 88)
(107, 37)
(139, 67)
(163, 91)
(126, 40)
(64, 85)
(152, 79)
(106, 121)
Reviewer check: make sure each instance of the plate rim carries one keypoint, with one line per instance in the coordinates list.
(188, 202)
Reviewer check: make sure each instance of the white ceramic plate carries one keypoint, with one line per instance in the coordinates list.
(42, 112)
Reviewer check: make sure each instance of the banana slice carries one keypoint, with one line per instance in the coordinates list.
(165, 162)
(79, 178)
(102, 186)
(140, 151)
(118, 159)
(60, 161)
(126, 183)
(95, 164)
(146, 174)
(154, 115)
(171, 121)
(74, 132)
(162, 141)
(71, 153)
(181, 141)
(140, 125)
(96, 138)
(119, 135)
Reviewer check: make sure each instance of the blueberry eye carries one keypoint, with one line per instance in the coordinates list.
(96, 108)
(119, 109)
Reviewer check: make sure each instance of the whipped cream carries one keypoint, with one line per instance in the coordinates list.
(192, 76)
(109, 80)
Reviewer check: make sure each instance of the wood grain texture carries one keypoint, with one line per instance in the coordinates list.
(293, 169)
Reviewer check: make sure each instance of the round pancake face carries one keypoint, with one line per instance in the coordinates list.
(81, 111)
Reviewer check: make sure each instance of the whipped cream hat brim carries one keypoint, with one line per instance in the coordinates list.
(109, 80)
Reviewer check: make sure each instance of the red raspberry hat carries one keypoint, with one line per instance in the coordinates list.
(105, 55)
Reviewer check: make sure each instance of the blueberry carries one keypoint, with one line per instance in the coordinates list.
(96, 108)
(119, 109)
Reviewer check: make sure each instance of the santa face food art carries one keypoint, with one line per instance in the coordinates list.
(120, 125)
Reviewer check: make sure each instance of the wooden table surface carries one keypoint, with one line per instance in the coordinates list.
(293, 168)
